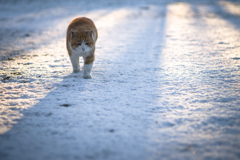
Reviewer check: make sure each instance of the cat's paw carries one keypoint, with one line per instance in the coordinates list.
(87, 76)
(76, 70)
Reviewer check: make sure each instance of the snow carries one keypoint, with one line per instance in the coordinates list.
(165, 83)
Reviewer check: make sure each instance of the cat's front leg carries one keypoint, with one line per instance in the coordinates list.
(75, 63)
(88, 63)
(87, 71)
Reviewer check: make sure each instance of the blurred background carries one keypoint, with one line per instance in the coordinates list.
(26, 24)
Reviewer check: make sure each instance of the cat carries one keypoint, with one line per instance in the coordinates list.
(81, 38)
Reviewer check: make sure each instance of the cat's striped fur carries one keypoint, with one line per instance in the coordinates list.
(81, 39)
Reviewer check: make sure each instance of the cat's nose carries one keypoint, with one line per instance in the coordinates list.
(83, 49)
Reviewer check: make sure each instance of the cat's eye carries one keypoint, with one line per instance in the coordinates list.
(79, 44)
(87, 43)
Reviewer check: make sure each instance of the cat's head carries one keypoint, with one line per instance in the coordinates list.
(81, 41)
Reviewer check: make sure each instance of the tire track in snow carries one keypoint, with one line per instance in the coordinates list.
(200, 97)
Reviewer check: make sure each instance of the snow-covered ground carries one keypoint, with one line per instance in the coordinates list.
(165, 83)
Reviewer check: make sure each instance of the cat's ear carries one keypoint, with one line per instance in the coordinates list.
(90, 33)
(73, 33)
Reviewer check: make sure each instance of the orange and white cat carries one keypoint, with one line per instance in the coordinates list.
(81, 39)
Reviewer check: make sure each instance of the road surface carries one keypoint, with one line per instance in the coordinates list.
(165, 83)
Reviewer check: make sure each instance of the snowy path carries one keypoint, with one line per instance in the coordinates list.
(165, 86)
